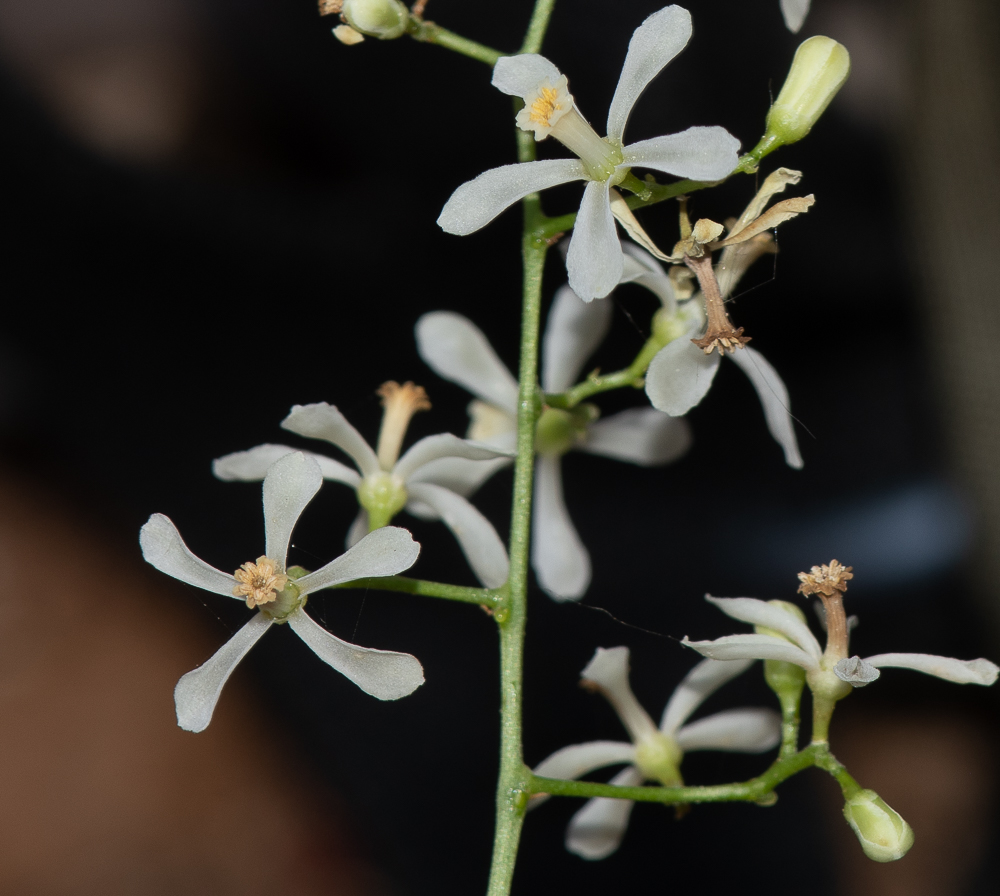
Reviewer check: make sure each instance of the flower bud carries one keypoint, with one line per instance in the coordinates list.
(818, 71)
(384, 19)
(883, 833)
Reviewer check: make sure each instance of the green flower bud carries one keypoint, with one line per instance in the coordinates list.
(883, 833)
(384, 19)
(557, 430)
(818, 71)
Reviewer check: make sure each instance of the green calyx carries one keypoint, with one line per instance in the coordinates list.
(659, 759)
(287, 601)
(786, 679)
(559, 430)
(383, 495)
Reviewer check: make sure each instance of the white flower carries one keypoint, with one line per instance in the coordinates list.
(458, 351)
(795, 12)
(388, 483)
(655, 753)
(595, 258)
(290, 484)
(680, 374)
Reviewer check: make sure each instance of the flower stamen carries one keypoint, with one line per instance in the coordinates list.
(400, 404)
(260, 582)
(720, 333)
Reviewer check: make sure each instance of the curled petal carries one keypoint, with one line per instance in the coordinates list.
(324, 421)
(980, 671)
(752, 647)
(735, 730)
(795, 12)
(641, 436)
(384, 552)
(445, 445)
(559, 559)
(609, 671)
(679, 376)
(290, 484)
(163, 547)
(456, 349)
(382, 673)
(698, 685)
(594, 261)
(574, 330)
(760, 612)
(477, 202)
(698, 153)
(521, 75)
(252, 465)
(197, 692)
(654, 43)
(774, 398)
(475, 534)
(597, 829)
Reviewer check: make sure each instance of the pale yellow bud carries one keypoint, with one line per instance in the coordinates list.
(384, 19)
(882, 832)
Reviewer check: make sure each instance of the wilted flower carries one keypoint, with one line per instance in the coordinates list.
(655, 753)
(595, 258)
(280, 596)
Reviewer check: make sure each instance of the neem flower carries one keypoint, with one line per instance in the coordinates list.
(655, 753)
(280, 596)
(595, 259)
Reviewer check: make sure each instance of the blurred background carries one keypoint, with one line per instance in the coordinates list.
(214, 210)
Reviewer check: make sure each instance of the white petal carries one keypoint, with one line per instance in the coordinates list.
(578, 760)
(736, 730)
(698, 153)
(597, 829)
(760, 612)
(594, 261)
(774, 397)
(609, 669)
(163, 547)
(521, 75)
(444, 445)
(358, 530)
(290, 484)
(324, 421)
(752, 647)
(477, 202)
(679, 376)
(382, 673)
(252, 465)
(643, 269)
(458, 474)
(978, 671)
(654, 43)
(574, 330)
(197, 692)
(795, 12)
(641, 436)
(456, 349)
(475, 534)
(384, 552)
(559, 559)
(700, 683)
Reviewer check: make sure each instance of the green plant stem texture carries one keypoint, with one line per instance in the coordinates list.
(432, 33)
(484, 597)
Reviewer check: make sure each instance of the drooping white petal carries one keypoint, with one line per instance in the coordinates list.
(752, 647)
(382, 673)
(290, 484)
(795, 12)
(458, 474)
(643, 269)
(980, 671)
(574, 330)
(698, 685)
(444, 445)
(597, 829)
(609, 669)
(559, 559)
(774, 398)
(477, 202)
(521, 75)
(698, 153)
(475, 534)
(594, 261)
(641, 436)
(456, 349)
(577, 760)
(252, 465)
(324, 421)
(654, 43)
(197, 692)
(358, 530)
(163, 547)
(760, 612)
(384, 552)
(735, 730)
(679, 376)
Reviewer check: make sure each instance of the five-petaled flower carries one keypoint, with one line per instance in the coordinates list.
(595, 258)
(280, 597)
(458, 351)
(655, 753)
(387, 483)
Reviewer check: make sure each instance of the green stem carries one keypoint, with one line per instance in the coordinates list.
(431, 33)
(597, 383)
(537, 26)
(485, 597)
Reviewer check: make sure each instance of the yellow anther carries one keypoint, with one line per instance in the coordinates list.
(259, 582)
(543, 107)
